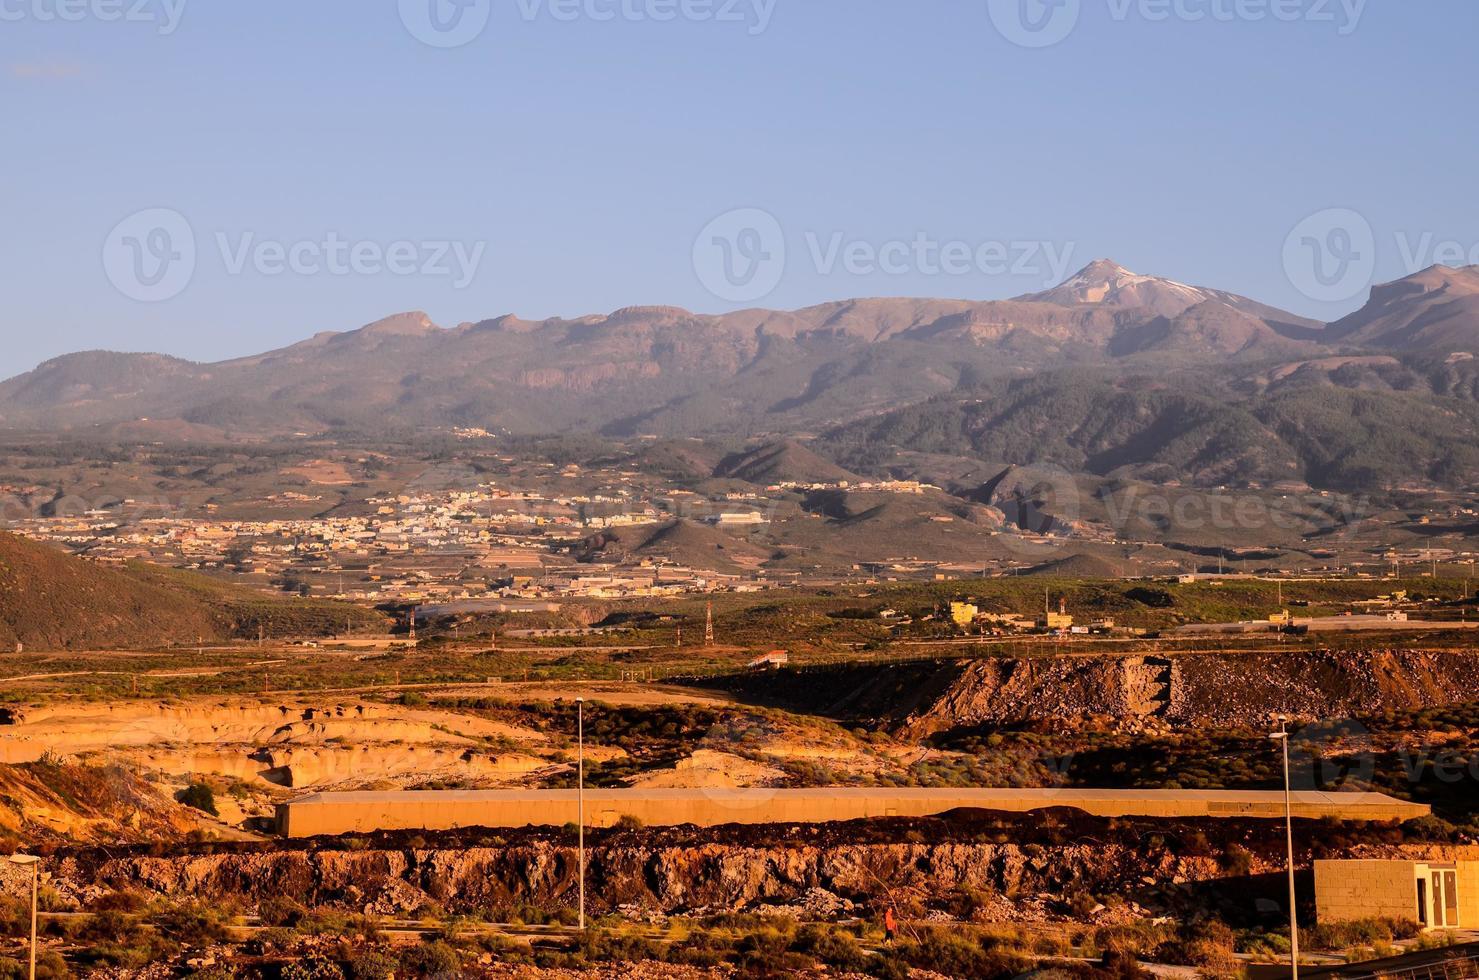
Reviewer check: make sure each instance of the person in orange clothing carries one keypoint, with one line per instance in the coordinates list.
(890, 925)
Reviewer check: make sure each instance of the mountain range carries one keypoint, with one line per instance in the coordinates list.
(1110, 371)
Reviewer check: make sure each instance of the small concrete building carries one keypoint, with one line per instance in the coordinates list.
(1436, 895)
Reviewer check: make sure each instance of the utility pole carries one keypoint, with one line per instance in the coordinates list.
(29, 860)
(709, 625)
(1282, 736)
(580, 797)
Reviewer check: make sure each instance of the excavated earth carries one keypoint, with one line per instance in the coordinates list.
(1031, 863)
(1133, 691)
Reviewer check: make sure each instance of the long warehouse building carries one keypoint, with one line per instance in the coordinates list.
(328, 814)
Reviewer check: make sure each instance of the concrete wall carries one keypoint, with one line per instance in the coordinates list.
(341, 813)
(1349, 890)
(1346, 891)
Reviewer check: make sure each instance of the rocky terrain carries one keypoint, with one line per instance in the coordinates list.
(1182, 691)
(1033, 864)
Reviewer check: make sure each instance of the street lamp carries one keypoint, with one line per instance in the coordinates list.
(34, 863)
(580, 797)
(1282, 737)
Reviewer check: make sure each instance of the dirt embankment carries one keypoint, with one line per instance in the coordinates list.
(1179, 691)
(828, 870)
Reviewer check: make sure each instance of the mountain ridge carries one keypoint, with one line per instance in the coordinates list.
(662, 370)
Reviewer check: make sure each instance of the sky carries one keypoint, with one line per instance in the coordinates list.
(213, 179)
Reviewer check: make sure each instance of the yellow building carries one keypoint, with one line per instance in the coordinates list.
(1436, 895)
(963, 613)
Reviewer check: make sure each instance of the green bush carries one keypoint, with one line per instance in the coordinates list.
(433, 959)
(1338, 936)
(371, 965)
(109, 926)
(956, 956)
(280, 910)
(832, 946)
(193, 923)
(49, 966)
(889, 966)
(702, 948)
(608, 947)
(200, 797)
(312, 970)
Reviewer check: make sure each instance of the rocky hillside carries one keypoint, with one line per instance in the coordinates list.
(51, 600)
(1032, 864)
(1110, 373)
(1184, 692)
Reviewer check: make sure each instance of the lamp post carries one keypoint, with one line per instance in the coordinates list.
(1282, 737)
(580, 797)
(34, 863)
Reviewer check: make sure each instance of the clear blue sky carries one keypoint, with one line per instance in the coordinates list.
(587, 154)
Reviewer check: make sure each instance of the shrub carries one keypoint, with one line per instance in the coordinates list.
(280, 910)
(312, 970)
(109, 926)
(200, 797)
(833, 947)
(371, 965)
(1237, 861)
(956, 956)
(217, 972)
(193, 923)
(121, 900)
(324, 922)
(49, 966)
(701, 948)
(889, 966)
(433, 959)
(1337, 936)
